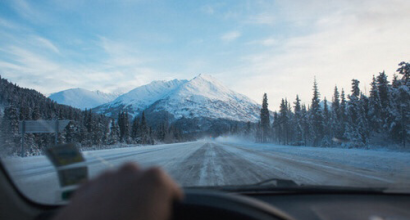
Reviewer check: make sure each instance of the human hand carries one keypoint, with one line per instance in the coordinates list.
(127, 194)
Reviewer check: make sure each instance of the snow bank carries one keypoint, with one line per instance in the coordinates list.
(374, 159)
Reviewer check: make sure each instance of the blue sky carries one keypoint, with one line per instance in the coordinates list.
(251, 46)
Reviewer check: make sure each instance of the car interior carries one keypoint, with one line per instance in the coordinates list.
(256, 109)
(308, 204)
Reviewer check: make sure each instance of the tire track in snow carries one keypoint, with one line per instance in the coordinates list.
(308, 171)
(212, 165)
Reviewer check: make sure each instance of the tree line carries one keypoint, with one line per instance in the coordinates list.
(86, 128)
(381, 118)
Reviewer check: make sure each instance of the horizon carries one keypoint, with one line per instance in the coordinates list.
(276, 47)
(187, 80)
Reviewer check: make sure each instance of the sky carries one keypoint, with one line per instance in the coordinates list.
(252, 46)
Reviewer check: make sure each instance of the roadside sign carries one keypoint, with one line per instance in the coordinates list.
(42, 126)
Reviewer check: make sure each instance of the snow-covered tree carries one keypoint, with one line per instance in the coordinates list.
(135, 129)
(316, 117)
(114, 135)
(305, 124)
(284, 122)
(9, 131)
(335, 121)
(124, 125)
(357, 131)
(400, 127)
(265, 120)
(327, 133)
(144, 130)
(385, 99)
(375, 107)
(297, 122)
(342, 116)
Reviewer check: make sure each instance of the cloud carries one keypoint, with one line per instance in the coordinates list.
(40, 71)
(120, 54)
(7, 24)
(280, 47)
(47, 44)
(271, 41)
(336, 43)
(31, 61)
(27, 11)
(230, 36)
(32, 70)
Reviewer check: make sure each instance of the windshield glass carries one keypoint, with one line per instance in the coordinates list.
(218, 93)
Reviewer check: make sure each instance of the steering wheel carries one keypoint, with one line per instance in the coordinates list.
(206, 205)
(202, 204)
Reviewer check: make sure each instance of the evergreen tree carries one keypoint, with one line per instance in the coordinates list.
(382, 118)
(335, 100)
(284, 122)
(9, 132)
(357, 124)
(316, 117)
(404, 70)
(162, 129)
(87, 120)
(135, 129)
(72, 132)
(335, 123)
(375, 107)
(342, 115)
(25, 113)
(305, 125)
(144, 132)
(36, 113)
(114, 134)
(276, 130)
(400, 128)
(265, 121)
(98, 130)
(327, 134)
(124, 126)
(297, 122)
(385, 99)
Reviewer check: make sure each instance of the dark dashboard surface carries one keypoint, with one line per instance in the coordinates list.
(340, 206)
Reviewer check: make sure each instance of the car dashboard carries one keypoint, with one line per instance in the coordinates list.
(266, 204)
(358, 206)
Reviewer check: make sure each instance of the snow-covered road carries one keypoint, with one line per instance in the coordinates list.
(205, 163)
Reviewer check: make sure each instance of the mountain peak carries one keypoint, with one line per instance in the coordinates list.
(82, 98)
(201, 97)
(141, 97)
(206, 77)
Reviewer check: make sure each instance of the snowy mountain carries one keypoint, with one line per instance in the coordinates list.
(82, 98)
(140, 98)
(201, 97)
(204, 96)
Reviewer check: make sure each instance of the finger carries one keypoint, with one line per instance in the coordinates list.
(160, 178)
(176, 190)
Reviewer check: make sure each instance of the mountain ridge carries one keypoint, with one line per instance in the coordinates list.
(203, 96)
(82, 98)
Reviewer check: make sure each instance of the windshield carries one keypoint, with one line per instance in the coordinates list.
(217, 93)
